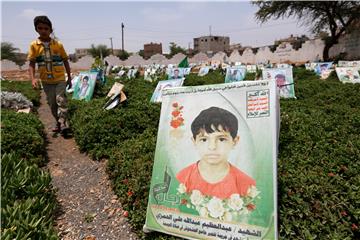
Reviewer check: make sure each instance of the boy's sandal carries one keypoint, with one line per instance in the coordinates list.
(57, 128)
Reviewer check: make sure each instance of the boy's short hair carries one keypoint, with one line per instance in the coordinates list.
(43, 20)
(216, 117)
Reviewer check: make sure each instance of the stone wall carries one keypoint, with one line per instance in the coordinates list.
(7, 65)
(310, 51)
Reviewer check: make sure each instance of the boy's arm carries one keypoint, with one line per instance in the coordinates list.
(32, 74)
(68, 72)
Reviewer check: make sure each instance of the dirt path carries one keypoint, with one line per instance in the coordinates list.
(88, 207)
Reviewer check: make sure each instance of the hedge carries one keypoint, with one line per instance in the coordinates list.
(27, 196)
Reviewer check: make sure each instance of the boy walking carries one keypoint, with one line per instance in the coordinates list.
(51, 58)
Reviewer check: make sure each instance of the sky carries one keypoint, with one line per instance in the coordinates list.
(83, 23)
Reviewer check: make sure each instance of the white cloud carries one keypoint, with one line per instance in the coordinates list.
(31, 13)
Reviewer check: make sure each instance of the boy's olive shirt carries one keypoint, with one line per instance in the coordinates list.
(50, 59)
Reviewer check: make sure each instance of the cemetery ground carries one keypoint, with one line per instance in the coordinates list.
(318, 163)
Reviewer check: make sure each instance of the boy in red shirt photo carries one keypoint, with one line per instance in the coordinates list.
(214, 133)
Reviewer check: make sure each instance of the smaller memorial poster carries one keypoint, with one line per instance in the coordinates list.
(348, 74)
(84, 86)
(235, 74)
(203, 71)
(187, 70)
(131, 73)
(251, 68)
(283, 65)
(214, 172)
(355, 64)
(323, 69)
(283, 78)
(156, 97)
(176, 73)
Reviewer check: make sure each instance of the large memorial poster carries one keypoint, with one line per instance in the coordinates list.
(235, 74)
(157, 95)
(214, 174)
(84, 86)
(284, 80)
(348, 74)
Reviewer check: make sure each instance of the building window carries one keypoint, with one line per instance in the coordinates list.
(205, 40)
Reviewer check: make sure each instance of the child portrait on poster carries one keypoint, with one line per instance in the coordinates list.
(212, 179)
(84, 87)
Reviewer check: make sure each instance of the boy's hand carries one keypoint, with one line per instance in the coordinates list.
(68, 83)
(34, 83)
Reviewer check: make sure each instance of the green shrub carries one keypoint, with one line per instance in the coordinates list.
(22, 133)
(98, 130)
(27, 200)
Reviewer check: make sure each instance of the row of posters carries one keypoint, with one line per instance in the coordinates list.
(214, 174)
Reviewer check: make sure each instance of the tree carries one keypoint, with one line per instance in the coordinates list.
(8, 51)
(123, 55)
(175, 49)
(336, 17)
(99, 51)
(141, 53)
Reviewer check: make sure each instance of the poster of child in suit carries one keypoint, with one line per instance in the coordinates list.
(203, 71)
(323, 69)
(84, 87)
(214, 173)
(235, 74)
(156, 97)
(284, 80)
(175, 73)
(348, 74)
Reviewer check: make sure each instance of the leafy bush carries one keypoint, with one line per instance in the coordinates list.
(98, 130)
(25, 88)
(23, 133)
(27, 197)
(27, 200)
(318, 162)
